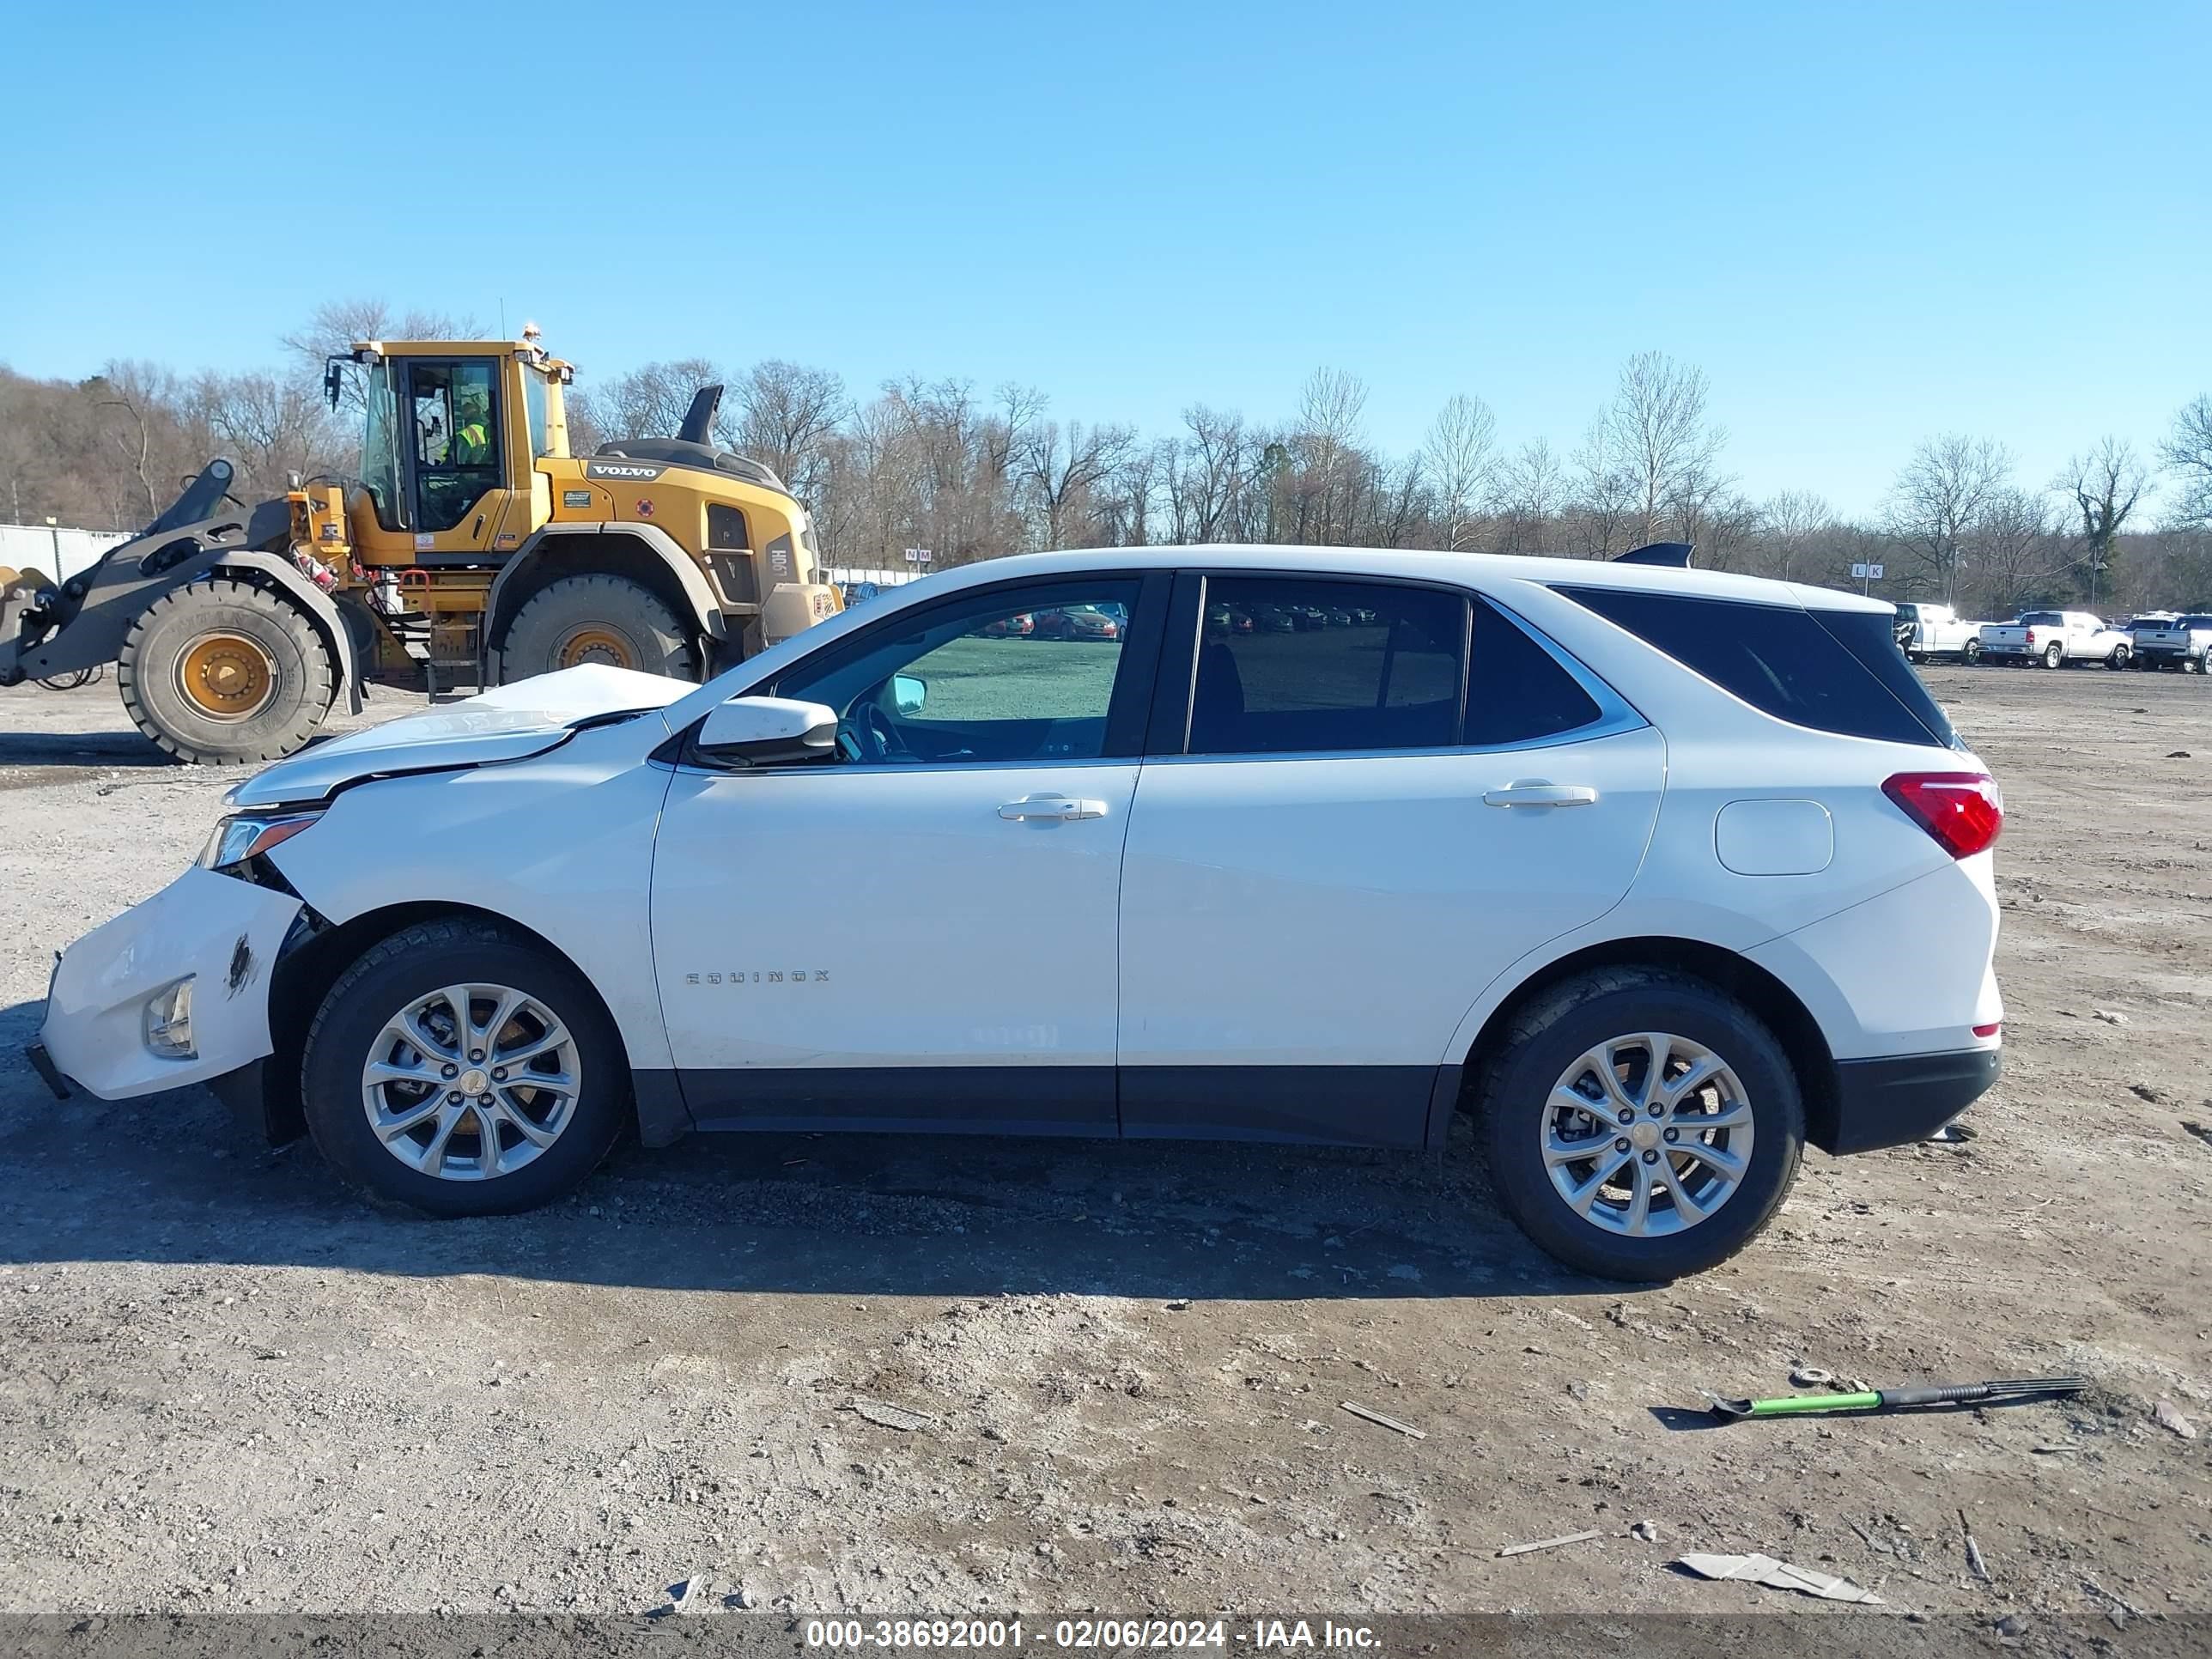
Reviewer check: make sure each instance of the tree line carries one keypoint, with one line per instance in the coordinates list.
(969, 475)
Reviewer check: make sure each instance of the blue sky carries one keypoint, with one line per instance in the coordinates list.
(1867, 223)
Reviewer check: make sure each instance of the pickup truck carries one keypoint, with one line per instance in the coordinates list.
(1935, 630)
(2055, 638)
(2182, 642)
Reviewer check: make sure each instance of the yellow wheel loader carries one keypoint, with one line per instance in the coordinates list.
(473, 547)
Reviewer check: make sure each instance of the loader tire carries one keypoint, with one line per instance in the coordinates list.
(223, 673)
(597, 619)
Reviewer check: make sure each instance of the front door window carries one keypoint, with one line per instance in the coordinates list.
(1026, 675)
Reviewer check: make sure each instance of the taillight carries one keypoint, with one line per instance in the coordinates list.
(2031, 636)
(1964, 811)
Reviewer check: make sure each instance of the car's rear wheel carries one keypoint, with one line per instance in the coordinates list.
(463, 1071)
(1640, 1123)
(2053, 655)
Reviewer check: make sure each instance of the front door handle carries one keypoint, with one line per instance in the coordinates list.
(1539, 791)
(1057, 809)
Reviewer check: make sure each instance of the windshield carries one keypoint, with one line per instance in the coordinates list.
(380, 451)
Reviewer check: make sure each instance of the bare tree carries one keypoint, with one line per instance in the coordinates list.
(1789, 523)
(650, 401)
(1461, 455)
(1207, 486)
(1527, 493)
(135, 446)
(1062, 465)
(338, 324)
(1659, 438)
(2187, 450)
(1605, 494)
(273, 427)
(1935, 501)
(2015, 551)
(2104, 485)
(784, 415)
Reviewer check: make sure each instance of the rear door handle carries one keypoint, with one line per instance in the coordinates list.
(1052, 808)
(1538, 791)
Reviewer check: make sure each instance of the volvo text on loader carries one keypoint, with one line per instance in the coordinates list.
(472, 547)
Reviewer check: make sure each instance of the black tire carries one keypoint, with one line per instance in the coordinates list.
(597, 619)
(413, 964)
(2120, 656)
(1548, 1036)
(1972, 655)
(2054, 656)
(150, 670)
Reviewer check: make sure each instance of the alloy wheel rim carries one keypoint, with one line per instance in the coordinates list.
(1647, 1135)
(472, 1082)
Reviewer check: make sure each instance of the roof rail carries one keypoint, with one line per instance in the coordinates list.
(1673, 553)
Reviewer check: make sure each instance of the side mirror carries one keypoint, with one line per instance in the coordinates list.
(769, 731)
(908, 693)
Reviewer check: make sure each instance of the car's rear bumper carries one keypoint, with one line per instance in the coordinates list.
(1901, 1098)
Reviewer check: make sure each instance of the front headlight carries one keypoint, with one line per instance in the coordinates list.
(249, 835)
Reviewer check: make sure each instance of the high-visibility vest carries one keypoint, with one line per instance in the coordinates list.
(471, 444)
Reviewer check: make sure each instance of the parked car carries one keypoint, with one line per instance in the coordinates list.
(1020, 626)
(2182, 642)
(1615, 858)
(1076, 622)
(1928, 631)
(2056, 638)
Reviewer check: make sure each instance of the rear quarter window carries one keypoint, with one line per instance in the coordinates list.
(1832, 670)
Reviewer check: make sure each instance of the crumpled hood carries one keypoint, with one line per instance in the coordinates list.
(511, 723)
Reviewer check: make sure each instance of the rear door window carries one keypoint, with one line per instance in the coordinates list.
(1517, 692)
(1289, 665)
(1832, 671)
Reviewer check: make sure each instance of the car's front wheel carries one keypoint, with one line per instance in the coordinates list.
(463, 1071)
(1641, 1124)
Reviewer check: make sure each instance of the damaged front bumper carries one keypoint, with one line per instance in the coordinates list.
(204, 944)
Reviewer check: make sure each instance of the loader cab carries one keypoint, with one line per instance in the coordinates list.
(451, 438)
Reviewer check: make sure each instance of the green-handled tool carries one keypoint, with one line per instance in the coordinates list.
(1882, 1400)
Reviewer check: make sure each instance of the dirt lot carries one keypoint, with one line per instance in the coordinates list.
(226, 1382)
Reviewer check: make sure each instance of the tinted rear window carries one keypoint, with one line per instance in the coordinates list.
(1833, 670)
(1515, 693)
(2043, 619)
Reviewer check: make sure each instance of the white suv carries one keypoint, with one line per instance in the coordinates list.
(1660, 874)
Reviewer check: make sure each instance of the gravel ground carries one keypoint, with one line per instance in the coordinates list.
(226, 1382)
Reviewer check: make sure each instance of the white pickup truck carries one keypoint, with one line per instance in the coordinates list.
(1935, 630)
(2055, 638)
(2182, 642)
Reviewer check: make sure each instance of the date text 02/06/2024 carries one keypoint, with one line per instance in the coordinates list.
(1010, 1634)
